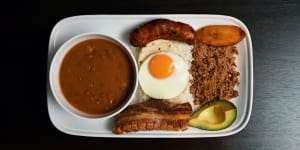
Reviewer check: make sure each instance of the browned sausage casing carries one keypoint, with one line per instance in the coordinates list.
(162, 29)
(220, 35)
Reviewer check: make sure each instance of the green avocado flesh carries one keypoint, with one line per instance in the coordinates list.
(215, 115)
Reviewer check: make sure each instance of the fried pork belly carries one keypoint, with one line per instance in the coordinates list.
(153, 114)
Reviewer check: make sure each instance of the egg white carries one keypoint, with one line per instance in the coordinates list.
(179, 48)
(166, 88)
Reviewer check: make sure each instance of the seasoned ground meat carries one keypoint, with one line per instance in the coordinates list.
(214, 73)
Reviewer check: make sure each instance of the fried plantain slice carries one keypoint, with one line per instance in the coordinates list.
(220, 35)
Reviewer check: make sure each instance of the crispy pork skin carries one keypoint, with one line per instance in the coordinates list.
(153, 114)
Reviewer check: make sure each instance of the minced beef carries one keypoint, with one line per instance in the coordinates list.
(214, 73)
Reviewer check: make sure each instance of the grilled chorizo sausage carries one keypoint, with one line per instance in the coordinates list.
(162, 29)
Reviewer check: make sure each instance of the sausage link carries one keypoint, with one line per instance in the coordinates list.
(162, 29)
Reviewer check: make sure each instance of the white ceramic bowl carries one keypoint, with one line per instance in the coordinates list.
(55, 68)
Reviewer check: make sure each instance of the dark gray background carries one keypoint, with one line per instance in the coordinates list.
(275, 29)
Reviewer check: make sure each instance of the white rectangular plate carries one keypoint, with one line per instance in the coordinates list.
(119, 26)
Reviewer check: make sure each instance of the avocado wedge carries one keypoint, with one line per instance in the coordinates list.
(214, 115)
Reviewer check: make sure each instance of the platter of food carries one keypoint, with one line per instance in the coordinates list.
(150, 76)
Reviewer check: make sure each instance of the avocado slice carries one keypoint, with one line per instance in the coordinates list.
(214, 115)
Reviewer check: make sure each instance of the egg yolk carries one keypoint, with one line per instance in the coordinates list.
(161, 66)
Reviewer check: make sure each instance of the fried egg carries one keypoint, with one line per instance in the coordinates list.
(179, 48)
(163, 75)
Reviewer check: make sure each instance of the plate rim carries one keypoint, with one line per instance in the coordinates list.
(249, 85)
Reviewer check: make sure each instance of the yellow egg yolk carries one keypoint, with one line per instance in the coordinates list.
(161, 66)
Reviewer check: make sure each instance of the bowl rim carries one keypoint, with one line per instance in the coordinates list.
(55, 65)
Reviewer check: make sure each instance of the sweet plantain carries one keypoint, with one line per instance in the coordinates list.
(220, 35)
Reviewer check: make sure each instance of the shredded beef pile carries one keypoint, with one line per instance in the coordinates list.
(214, 73)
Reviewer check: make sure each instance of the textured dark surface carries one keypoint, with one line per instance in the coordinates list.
(275, 29)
